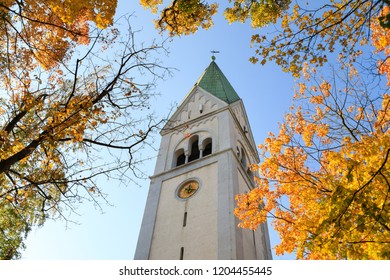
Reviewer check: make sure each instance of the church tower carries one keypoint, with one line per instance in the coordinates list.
(206, 148)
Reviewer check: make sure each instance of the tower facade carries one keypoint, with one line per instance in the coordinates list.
(206, 148)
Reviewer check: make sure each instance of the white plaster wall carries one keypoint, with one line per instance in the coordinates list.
(199, 236)
(247, 235)
(198, 105)
(190, 108)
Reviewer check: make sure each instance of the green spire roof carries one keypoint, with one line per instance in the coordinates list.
(215, 82)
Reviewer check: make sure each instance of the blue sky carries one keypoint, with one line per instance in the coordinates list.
(265, 90)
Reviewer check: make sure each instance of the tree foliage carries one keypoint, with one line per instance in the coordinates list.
(313, 32)
(310, 31)
(67, 115)
(182, 17)
(384, 18)
(381, 42)
(325, 177)
(47, 30)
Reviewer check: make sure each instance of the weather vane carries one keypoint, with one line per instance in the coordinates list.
(213, 52)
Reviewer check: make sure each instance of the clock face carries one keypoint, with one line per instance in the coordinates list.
(188, 189)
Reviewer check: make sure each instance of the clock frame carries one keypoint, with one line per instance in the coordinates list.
(187, 189)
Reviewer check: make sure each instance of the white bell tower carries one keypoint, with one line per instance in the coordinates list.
(202, 165)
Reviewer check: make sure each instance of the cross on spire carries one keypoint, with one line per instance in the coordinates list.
(213, 52)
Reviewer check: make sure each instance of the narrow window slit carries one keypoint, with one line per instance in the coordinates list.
(185, 219)
(182, 253)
